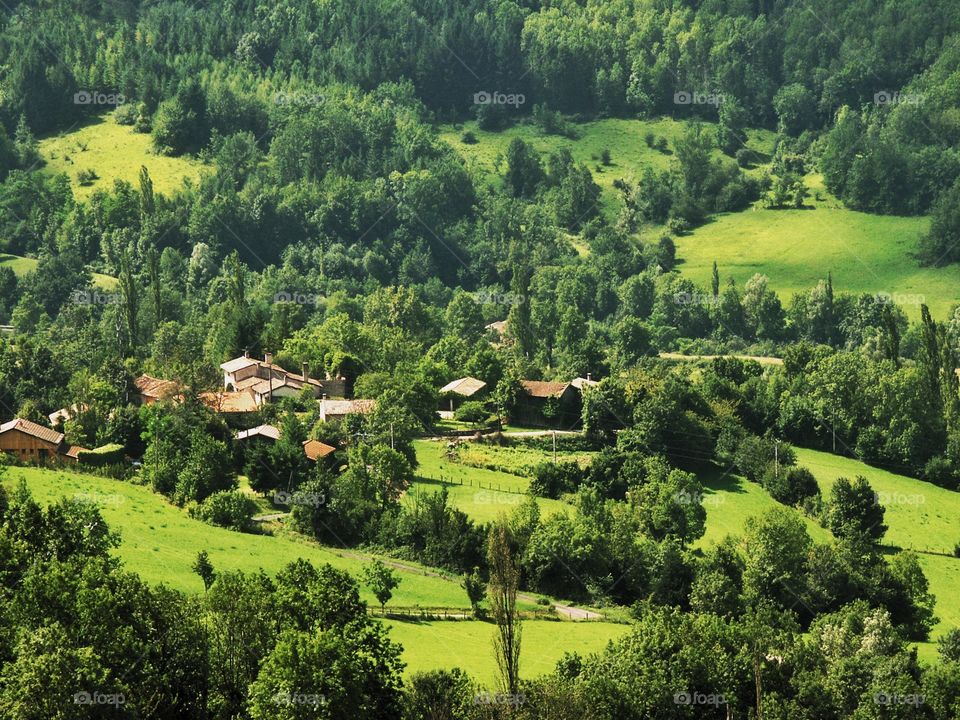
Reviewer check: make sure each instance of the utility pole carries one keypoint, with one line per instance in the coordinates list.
(391, 436)
(776, 459)
(554, 447)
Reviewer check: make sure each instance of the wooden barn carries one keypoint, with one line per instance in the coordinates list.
(29, 442)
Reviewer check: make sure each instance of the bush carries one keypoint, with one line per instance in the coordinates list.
(940, 471)
(472, 412)
(112, 454)
(552, 480)
(649, 138)
(125, 114)
(745, 157)
(791, 487)
(468, 138)
(227, 508)
(662, 144)
(605, 156)
(86, 177)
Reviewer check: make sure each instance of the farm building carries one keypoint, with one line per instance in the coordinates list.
(152, 389)
(331, 410)
(313, 449)
(265, 380)
(456, 392)
(29, 442)
(547, 404)
(229, 403)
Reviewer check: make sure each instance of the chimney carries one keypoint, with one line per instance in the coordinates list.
(588, 377)
(268, 358)
(304, 371)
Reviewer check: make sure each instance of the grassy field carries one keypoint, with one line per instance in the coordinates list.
(796, 248)
(159, 541)
(920, 516)
(729, 500)
(624, 139)
(469, 645)
(113, 152)
(21, 266)
(482, 494)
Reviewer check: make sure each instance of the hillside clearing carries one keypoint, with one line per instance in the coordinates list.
(797, 248)
(113, 152)
(468, 645)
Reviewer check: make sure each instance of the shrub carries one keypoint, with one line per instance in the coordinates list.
(744, 157)
(125, 114)
(227, 508)
(468, 138)
(552, 480)
(86, 177)
(662, 144)
(605, 156)
(112, 454)
(472, 412)
(649, 138)
(791, 487)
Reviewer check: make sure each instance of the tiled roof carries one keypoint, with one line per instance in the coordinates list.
(267, 431)
(238, 364)
(314, 449)
(466, 386)
(154, 387)
(540, 389)
(580, 383)
(31, 428)
(229, 402)
(347, 407)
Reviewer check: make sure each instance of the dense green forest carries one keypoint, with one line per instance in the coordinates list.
(333, 229)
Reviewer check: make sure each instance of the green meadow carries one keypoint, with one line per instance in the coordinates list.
(160, 541)
(920, 516)
(113, 152)
(22, 265)
(796, 248)
(629, 154)
(432, 645)
(481, 493)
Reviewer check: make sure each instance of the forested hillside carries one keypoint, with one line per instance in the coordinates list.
(516, 303)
